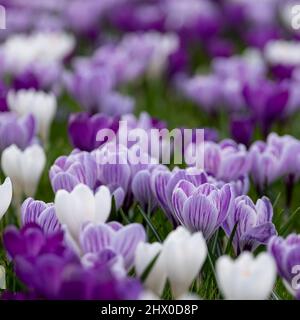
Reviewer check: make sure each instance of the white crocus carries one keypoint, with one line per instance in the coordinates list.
(184, 255)
(283, 52)
(41, 104)
(144, 255)
(247, 277)
(81, 205)
(21, 51)
(2, 278)
(181, 257)
(24, 169)
(5, 196)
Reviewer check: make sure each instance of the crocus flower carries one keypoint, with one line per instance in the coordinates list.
(283, 57)
(42, 105)
(184, 254)
(2, 278)
(122, 240)
(81, 205)
(275, 158)
(144, 255)
(69, 171)
(226, 161)
(180, 259)
(49, 268)
(43, 48)
(40, 213)
(254, 223)
(242, 129)
(286, 254)
(204, 208)
(24, 168)
(163, 183)
(14, 130)
(5, 196)
(83, 129)
(205, 91)
(3, 93)
(266, 101)
(247, 277)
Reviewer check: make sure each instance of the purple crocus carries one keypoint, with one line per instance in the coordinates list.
(3, 93)
(287, 256)
(226, 160)
(51, 270)
(83, 129)
(122, 240)
(204, 208)
(14, 130)
(275, 158)
(254, 223)
(242, 129)
(266, 101)
(69, 171)
(40, 213)
(163, 182)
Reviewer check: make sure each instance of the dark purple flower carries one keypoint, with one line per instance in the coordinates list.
(266, 101)
(3, 93)
(83, 129)
(287, 256)
(14, 130)
(242, 129)
(254, 223)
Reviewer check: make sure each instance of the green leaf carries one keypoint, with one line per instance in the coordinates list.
(229, 243)
(149, 268)
(149, 223)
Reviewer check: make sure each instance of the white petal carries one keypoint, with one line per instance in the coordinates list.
(144, 254)
(32, 166)
(5, 196)
(102, 204)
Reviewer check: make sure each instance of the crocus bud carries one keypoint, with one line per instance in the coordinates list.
(184, 255)
(144, 255)
(247, 277)
(5, 196)
(42, 105)
(24, 168)
(81, 205)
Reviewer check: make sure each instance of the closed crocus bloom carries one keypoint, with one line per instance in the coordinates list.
(24, 168)
(141, 189)
(265, 164)
(247, 277)
(286, 253)
(41, 104)
(204, 208)
(184, 254)
(81, 205)
(14, 130)
(144, 255)
(40, 213)
(83, 129)
(254, 223)
(96, 239)
(5, 196)
(69, 171)
(2, 278)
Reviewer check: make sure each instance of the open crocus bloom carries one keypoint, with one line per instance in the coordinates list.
(81, 205)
